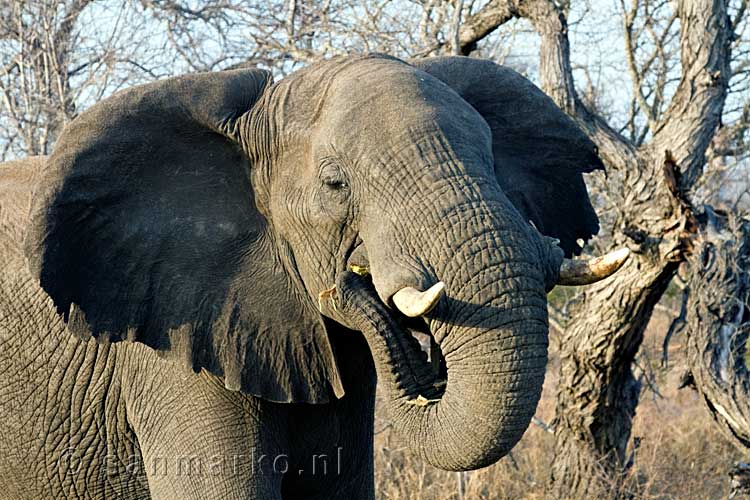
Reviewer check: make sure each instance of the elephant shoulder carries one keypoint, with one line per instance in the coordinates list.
(18, 181)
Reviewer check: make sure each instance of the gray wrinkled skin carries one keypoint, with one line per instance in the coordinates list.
(162, 329)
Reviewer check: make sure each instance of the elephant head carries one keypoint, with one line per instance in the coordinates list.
(204, 215)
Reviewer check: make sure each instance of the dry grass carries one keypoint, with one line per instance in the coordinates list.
(682, 454)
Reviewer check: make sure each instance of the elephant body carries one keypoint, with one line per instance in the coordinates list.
(116, 421)
(178, 315)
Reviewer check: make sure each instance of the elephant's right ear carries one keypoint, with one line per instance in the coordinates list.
(540, 153)
(145, 229)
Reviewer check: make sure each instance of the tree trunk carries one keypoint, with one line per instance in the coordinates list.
(597, 393)
(718, 325)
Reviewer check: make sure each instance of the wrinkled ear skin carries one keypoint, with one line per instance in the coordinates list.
(540, 153)
(145, 229)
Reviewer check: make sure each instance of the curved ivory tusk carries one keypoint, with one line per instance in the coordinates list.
(585, 272)
(413, 303)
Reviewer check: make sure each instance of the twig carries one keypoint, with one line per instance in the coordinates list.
(677, 325)
(542, 425)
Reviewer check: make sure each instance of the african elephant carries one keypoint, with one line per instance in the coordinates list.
(178, 313)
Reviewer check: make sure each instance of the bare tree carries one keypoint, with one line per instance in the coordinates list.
(283, 35)
(718, 323)
(35, 80)
(54, 59)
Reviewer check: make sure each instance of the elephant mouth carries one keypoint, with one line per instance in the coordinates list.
(357, 261)
(418, 327)
(356, 257)
(420, 331)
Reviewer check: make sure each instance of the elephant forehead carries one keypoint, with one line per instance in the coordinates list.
(392, 95)
(385, 104)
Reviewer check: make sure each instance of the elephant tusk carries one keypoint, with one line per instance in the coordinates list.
(585, 272)
(413, 303)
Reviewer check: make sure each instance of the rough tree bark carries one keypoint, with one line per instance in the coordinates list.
(718, 324)
(597, 392)
(648, 184)
(718, 330)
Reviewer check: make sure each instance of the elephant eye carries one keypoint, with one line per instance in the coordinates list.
(334, 191)
(336, 184)
(332, 176)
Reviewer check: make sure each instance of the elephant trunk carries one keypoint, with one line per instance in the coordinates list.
(494, 380)
(491, 328)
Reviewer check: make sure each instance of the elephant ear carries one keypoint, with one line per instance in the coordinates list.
(145, 229)
(540, 153)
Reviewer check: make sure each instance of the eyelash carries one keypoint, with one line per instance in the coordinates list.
(335, 184)
(332, 176)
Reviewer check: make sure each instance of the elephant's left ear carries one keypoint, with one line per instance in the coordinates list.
(540, 153)
(145, 229)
